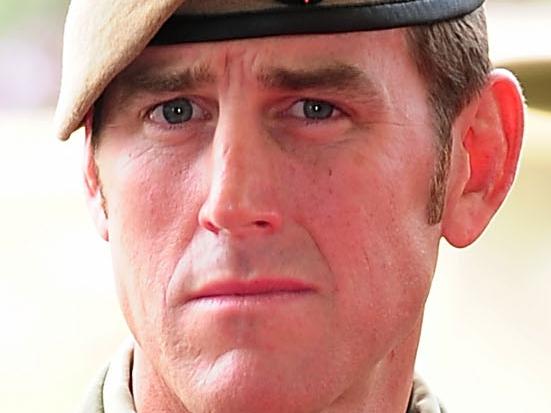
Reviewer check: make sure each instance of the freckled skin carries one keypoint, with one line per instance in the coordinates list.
(343, 206)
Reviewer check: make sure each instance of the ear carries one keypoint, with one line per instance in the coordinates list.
(92, 183)
(487, 139)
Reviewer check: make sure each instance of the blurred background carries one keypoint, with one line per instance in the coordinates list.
(487, 335)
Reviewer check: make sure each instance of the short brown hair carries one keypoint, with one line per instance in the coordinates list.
(453, 59)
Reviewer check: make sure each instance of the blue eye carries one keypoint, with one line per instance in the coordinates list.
(313, 109)
(175, 112)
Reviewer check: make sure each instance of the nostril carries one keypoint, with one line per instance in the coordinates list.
(262, 223)
(209, 226)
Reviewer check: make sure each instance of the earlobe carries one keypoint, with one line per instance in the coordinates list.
(486, 149)
(92, 183)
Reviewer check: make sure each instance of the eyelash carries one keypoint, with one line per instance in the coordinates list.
(165, 125)
(337, 112)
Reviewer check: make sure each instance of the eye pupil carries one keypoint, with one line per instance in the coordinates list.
(317, 110)
(177, 111)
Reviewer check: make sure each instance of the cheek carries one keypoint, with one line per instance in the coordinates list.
(368, 216)
(152, 202)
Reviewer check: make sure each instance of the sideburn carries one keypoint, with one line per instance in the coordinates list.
(435, 209)
(100, 186)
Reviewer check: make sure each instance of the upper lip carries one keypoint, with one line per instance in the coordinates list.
(239, 287)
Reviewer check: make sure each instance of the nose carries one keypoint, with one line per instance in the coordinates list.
(242, 198)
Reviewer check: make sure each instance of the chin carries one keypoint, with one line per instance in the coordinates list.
(241, 382)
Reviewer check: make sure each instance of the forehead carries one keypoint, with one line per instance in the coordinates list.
(371, 51)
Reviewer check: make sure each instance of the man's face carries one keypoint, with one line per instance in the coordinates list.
(267, 212)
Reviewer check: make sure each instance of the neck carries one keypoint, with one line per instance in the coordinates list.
(386, 388)
(149, 390)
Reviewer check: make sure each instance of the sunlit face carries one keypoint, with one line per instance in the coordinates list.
(267, 212)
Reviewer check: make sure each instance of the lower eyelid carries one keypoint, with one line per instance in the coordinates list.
(337, 111)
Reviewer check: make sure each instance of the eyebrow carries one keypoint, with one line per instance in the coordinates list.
(334, 77)
(155, 80)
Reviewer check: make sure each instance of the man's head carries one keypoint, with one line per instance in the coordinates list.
(266, 202)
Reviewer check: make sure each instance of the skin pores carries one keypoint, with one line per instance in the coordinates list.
(251, 188)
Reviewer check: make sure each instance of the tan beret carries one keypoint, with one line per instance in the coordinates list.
(102, 37)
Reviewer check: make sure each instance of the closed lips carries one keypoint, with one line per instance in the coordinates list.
(251, 288)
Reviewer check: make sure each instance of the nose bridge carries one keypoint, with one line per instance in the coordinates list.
(241, 198)
(232, 181)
